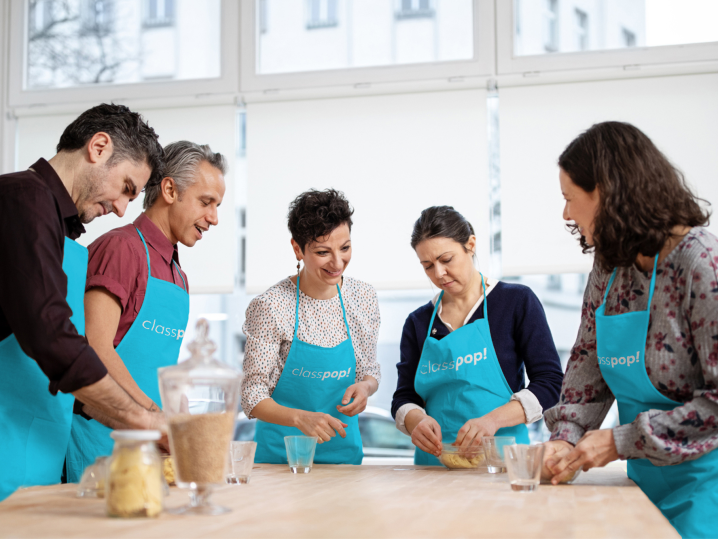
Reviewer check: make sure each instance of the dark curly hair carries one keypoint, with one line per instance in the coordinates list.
(315, 214)
(132, 138)
(441, 222)
(642, 196)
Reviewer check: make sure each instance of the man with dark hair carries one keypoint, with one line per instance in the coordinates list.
(104, 159)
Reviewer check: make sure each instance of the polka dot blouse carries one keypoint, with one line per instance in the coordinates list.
(269, 327)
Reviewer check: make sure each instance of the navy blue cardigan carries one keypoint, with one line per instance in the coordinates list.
(521, 336)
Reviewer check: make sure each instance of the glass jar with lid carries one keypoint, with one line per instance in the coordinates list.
(134, 485)
(200, 398)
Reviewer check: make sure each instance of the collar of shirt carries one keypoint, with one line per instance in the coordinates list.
(68, 210)
(156, 238)
(490, 285)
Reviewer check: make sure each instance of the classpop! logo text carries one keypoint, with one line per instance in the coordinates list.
(470, 359)
(322, 375)
(613, 361)
(162, 330)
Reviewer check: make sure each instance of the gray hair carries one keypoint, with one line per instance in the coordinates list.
(181, 161)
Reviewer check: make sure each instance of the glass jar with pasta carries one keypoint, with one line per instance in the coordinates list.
(134, 486)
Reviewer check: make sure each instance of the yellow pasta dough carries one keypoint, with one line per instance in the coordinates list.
(457, 461)
(135, 485)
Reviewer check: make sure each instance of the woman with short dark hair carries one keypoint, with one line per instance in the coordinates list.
(310, 362)
(461, 374)
(649, 328)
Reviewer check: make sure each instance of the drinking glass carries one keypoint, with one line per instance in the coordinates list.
(241, 460)
(300, 452)
(494, 451)
(524, 464)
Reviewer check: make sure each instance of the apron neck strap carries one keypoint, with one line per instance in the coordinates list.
(483, 287)
(184, 283)
(149, 269)
(651, 289)
(433, 314)
(296, 311)
(438, 302)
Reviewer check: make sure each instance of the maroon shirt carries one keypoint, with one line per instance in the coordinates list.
(36, 214)
(118, 263)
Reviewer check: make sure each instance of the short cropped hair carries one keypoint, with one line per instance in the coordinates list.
(181, 161)
(132, 138)
(315, 214)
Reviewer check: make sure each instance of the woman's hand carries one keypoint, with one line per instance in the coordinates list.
(554, 451)
(427, 435)
(360, 393)
(323, 426)
(472, 431)
(595, 449)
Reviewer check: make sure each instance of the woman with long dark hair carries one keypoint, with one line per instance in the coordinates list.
(649, 329)
(464, 354)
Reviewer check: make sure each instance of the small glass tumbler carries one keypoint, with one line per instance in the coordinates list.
(494, 451)
(300, 452)
(524, 464)
(92, 484)
(241, 460)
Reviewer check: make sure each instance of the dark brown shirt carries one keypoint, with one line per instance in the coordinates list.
(36, 214)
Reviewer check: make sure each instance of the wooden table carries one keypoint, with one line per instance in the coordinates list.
(362, 501)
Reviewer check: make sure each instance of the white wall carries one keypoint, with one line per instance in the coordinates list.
(392, 156)
(211, 264)
(680, 115)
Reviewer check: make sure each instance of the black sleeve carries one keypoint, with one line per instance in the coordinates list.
(33, 288)
(407, 366)
(535, 346)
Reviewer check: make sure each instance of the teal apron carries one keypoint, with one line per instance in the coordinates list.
(152, 342)
(35, 425)
(459, 378)
(314, 379)
(686, 493)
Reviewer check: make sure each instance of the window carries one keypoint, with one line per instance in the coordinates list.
(159, 13)
(85, 42)
(262, 6)
(414, 9)
(322, 14)
(551, 26)
(97, 18)
(374, 35)
(41, 16)
(629, 38)
(581, 30)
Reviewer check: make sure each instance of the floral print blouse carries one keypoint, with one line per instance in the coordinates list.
(269, 327)
(681, 357)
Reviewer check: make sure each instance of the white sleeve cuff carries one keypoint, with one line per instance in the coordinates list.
(531, 405)
(401, 416)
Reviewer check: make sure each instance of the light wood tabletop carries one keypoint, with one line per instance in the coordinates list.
(361, 501)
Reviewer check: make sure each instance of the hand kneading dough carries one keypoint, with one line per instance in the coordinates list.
(456, 461)
(135, 486)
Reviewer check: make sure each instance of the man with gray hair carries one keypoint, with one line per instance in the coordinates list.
(136, 295)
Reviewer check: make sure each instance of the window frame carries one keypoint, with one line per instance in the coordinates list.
(508, 64)
(18, 96)
(482, 65)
